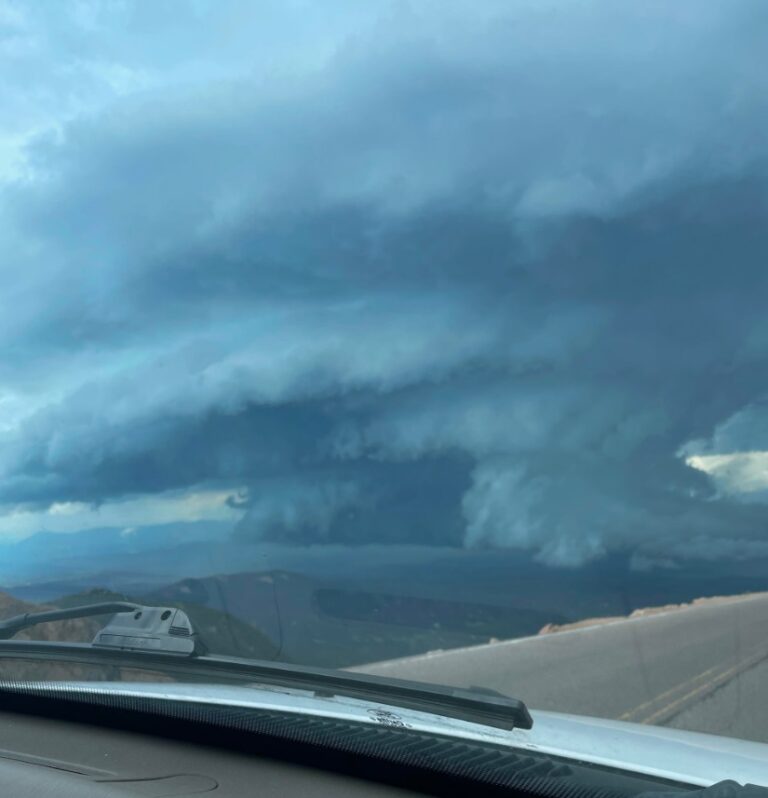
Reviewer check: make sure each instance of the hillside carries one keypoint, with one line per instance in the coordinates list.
(221, 632)
(319, 623)
(74, 630)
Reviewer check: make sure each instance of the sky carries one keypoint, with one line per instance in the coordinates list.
(436, 272)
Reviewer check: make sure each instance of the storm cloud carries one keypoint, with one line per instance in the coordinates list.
(425, 273)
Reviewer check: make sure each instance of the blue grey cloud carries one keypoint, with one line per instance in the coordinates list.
(424, 273)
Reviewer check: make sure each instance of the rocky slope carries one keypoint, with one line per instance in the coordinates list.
(221, 633)
(74, 630)
(641, 612)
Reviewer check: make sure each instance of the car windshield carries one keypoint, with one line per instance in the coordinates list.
(424, 340)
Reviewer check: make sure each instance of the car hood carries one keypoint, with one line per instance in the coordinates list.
(688, 757)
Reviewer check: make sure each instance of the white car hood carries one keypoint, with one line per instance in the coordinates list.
(688, 757)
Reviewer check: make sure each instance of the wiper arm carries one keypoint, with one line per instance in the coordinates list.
(162, 638)
(159, 629)
(11, 626)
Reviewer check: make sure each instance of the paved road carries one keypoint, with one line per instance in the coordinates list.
(703, 668)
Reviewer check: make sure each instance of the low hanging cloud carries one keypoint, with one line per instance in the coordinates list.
(460, 277)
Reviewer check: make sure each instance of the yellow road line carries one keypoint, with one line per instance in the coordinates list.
(629, 714)
(701, 688)
(674, 707)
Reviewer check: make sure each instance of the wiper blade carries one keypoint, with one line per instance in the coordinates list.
(154, 637)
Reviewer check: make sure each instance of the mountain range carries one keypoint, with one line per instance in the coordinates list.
(339, 605)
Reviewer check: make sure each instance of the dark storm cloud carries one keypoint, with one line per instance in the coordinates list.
(480, 278)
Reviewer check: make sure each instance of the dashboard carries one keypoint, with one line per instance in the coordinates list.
(44, 757)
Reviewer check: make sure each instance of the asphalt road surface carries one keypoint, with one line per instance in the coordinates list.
(703, 668)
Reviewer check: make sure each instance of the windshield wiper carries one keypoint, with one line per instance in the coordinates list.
(163, 638)
(134, 627)
(11, 626)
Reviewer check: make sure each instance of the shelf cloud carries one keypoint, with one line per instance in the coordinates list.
(429, 273)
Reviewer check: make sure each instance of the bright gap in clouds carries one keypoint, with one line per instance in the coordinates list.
(735, 473)
(172, 507)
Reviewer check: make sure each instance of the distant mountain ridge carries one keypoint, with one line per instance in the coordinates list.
(52, 555)
(343, 605)
(321, 624)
